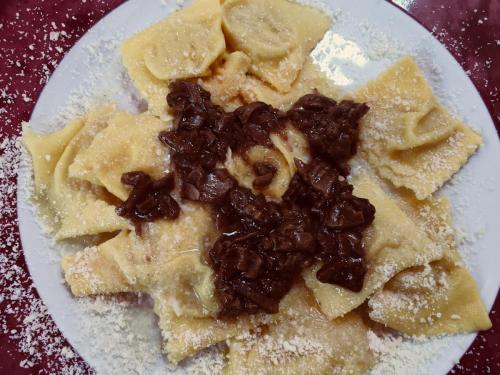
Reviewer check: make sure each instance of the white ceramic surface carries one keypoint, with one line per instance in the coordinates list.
(351, 55)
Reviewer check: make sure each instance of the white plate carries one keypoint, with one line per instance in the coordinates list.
(363, 40)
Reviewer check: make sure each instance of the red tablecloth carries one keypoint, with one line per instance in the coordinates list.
(35, 35)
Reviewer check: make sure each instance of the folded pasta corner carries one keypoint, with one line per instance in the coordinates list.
(408, 136)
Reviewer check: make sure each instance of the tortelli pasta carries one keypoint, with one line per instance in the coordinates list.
(78, 207)
(158, 54)
(439, 297)
(309, 79)
(257, 50)
(277, 36)
(197, 27)
(393, 243)
(228, 79)
(184, 335)
(408, 137)
(128, 143)
(141, 262)
(303, 341)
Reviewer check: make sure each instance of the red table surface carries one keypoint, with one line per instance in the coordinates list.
(470, 30)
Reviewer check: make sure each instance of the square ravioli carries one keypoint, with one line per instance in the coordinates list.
(303, 341)
(408, 136)
(158, 54)
(128, 143)
(277, 36)
(76, 207)
(439, 298)
(141, 262)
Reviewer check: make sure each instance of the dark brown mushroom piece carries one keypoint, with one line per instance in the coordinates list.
(264, 174)
(148, 200)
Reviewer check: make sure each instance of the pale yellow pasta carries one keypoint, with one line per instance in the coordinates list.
(277, 36)
(183, 45)
(152, 89)
(186, 43)
(184, 335)
(78, 208)
(143, 261)
(94, 270)
(289, 144)
(446, 301)
(189, 287)
(165, 262)
(407, 136)
(128, 143)
(309, 80)
(303, 341)
(292, 144)
(440, 298)
(225, 84)
(46, 150)
(242, 169)
(392, 243)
